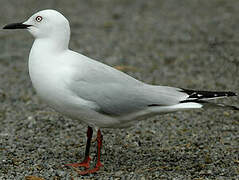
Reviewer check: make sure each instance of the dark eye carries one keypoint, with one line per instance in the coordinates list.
(38, 18)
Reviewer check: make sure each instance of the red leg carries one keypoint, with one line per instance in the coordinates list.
(86, 162)
(99, 143)
(98, 163)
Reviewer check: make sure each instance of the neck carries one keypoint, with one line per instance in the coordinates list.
(51, 44)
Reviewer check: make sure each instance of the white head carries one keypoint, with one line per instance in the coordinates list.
(46, 24)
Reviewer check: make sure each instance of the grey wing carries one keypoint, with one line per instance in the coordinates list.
(116, 99)
(115, 93)
(111, 98)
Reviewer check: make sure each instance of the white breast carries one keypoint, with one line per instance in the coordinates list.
(47, 78)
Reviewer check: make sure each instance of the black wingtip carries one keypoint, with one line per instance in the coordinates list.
(207, 94)
(231, 93)
(235, 94)
(235, 108)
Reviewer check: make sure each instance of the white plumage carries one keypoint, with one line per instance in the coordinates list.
(90, 91)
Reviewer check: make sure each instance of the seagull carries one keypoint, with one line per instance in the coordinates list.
(95, 93)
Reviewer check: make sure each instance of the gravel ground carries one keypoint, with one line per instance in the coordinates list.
(186, 43)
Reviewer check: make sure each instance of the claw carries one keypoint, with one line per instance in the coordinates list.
(85, 163)
(89, 171)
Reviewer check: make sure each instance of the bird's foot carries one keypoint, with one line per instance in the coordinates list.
(89, 171)
(85, 163)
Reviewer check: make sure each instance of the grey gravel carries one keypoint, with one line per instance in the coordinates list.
(186, 43)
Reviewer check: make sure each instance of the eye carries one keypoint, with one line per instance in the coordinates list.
(39, 18)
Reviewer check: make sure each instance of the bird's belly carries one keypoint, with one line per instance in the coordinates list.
(74, 107)
(49, 83)
(58, 98)
(53, 90)
(50, 92)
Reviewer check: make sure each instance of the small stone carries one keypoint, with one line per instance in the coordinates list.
(61, 173)
(226, 113)
(142, 178)
(119, 173)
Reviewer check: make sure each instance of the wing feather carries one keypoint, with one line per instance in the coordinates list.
(117, 93)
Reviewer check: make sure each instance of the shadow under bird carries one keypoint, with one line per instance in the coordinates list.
(92, 92)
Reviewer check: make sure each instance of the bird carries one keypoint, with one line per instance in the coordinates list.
(94, 93)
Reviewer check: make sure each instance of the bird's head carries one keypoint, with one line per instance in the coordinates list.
(44, 24)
